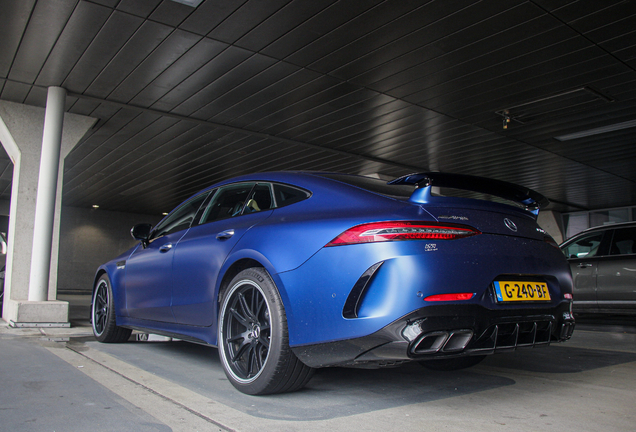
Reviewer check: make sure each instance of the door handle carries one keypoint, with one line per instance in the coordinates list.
(583, 265)
(225, 234)
(166, 247)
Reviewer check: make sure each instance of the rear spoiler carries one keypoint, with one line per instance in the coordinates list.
(531, 200)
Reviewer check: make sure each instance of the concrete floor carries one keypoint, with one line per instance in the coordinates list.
(63, 380)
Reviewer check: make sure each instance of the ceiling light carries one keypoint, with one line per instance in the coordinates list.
(95, 206)
(193, 3)
(597, 131)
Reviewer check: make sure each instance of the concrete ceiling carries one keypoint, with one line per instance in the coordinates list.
(189, 96)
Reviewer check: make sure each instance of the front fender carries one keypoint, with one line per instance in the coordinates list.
(116, 271)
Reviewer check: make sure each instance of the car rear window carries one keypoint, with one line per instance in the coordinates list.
(374, 185)
(286, 195)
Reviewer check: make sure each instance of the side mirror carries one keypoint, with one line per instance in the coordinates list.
(141, 232)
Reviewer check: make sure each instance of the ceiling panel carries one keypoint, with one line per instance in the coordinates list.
(82, 27)
(170, 13)
(256, 22)
(13, 21)
(421, 27)
(214, 69)
(188, 96)
(210, 14)
(136, 49)
(163, 56)
(180, 70)
(112, 36)
(319, 25)
(251, 70)
(134, 7)
(46, 22)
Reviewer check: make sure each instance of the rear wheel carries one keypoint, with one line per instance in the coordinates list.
(103, 314)
(452, 364)
(253, 339)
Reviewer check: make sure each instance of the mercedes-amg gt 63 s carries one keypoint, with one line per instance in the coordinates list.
(292, 271)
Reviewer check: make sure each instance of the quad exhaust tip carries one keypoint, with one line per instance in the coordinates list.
(497, 337)
(442, 341)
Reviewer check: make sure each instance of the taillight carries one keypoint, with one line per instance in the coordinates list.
(449, 297)
(401, 230)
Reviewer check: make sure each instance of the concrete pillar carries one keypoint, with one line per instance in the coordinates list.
(21, 133)
(551, 222)
(45, 198)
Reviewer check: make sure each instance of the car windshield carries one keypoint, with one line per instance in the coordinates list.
(402, 192)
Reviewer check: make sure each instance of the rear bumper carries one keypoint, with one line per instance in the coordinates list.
(441, 331)
(319, 295)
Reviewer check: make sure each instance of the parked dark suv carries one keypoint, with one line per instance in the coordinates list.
(603, 264)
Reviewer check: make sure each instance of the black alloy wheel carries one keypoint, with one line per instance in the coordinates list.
(253, 338)
(248, 332)
(103, 314)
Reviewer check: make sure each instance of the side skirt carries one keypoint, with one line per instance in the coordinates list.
(194, 334)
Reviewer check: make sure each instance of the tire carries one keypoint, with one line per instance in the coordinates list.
(103, 314)
(253, 339)
(452, 364)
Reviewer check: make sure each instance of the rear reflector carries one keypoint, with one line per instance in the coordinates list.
(450, 297)
(402, 230)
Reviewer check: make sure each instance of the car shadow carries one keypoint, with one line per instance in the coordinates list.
(331, 393)
(336, 392)
(560, 359)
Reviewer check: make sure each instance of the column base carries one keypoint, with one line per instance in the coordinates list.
(24, 313)
(13, 324)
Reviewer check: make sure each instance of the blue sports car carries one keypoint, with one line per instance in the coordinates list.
(292, 271)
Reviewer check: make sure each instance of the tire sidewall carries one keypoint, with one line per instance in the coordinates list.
(102, 280)
(261, 281)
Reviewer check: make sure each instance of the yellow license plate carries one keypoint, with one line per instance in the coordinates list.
(509, 291)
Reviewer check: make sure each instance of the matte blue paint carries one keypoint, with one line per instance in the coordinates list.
(198, 258)
(176, 291)
(149, 280)
(408, 269)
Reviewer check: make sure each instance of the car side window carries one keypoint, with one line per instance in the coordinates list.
(623, 242)
(228, 202)
(585, 247)
(260, 199)
(286, 195)
(180, 218)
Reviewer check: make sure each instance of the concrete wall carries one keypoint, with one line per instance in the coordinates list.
(551, 222)
(89, 238)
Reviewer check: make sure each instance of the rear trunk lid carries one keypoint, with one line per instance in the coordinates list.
(490, 218)
(517, 220)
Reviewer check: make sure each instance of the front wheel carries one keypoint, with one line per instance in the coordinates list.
(253, 339)
(103, 314)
